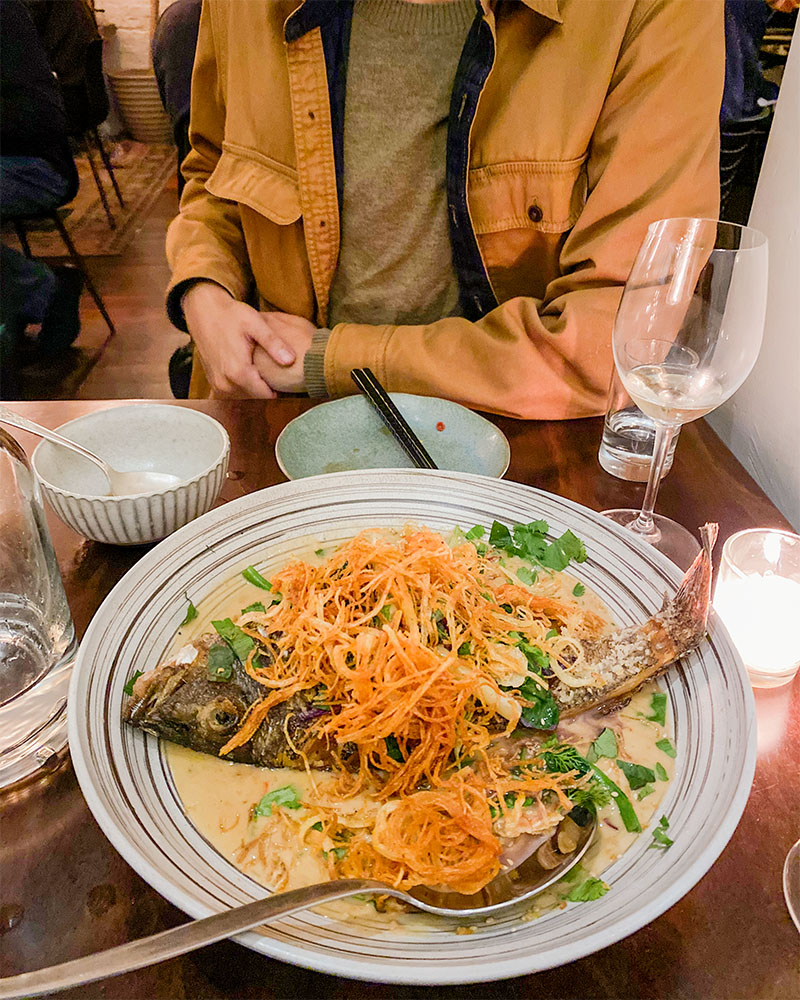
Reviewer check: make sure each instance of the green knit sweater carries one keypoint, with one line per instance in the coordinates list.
(395, 261)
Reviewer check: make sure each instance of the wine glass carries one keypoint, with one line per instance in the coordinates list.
(687, 334)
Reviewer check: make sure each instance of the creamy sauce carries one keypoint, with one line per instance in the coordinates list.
(218, 796)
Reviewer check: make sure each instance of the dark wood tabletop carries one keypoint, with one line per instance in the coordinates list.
(65, 892)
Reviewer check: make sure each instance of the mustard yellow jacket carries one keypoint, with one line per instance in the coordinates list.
(581, 122)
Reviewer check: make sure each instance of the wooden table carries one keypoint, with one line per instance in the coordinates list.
(64, 891)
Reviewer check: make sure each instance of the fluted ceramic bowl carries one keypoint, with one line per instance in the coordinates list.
(144, 437)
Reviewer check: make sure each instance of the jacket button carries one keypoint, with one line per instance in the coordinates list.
(535, 213)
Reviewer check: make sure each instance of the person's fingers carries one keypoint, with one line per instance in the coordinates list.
(275, 346)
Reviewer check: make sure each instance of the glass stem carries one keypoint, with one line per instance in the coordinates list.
(644, 522)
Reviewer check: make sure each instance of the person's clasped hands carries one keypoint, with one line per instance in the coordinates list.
(260, 354)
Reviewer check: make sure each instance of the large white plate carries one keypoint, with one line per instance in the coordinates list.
(127, 784)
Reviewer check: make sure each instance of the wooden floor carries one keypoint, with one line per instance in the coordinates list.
(134, 362)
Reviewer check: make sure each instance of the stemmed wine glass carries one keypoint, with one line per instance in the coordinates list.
(687, 334)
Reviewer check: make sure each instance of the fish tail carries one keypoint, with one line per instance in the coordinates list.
(692, 602)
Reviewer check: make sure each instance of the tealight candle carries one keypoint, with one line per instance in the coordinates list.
(758, 600)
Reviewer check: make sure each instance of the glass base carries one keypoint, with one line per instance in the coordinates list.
(668, 536)
(33, 725)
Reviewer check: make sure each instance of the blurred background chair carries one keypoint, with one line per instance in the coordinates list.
(87, 107)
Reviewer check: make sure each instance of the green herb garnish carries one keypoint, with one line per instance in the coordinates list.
(527, 576)
(393, 749)
(128, 687)
(240, 643)
(604, 746)
(317, 826)
(255, 606)
(637, 774)
(477, 531)
(287, 796)
(660, 838)
(561, 757)
(220, 662)
(465, 649)
(658, 706)
(579, 590)
(191, 613)
(592, 888)
(319, 552)
(252, 575)
(661, 772)
(644, 791)
(665, 746)
(529, 541)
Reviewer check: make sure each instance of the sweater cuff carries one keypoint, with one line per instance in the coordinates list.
(314, 365)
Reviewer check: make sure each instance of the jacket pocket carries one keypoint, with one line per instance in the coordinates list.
(543, 195)
(252, 179)
(522, 212)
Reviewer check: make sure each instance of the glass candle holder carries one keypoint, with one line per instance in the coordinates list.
(758, 599)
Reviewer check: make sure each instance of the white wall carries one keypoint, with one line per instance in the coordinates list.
(125, 25)
(761, 422)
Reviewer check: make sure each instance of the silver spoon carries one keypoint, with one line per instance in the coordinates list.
(121, 483)
(503, 891)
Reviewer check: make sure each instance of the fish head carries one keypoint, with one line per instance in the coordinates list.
(182, 704)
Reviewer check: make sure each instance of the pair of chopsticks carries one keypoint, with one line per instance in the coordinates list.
(393, 418)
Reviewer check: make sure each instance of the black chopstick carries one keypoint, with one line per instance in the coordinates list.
(393, 418)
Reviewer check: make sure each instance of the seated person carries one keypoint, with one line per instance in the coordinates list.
(174, 44)
(449, 198)
(37, 175)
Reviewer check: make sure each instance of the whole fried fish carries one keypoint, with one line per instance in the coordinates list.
(181, 702)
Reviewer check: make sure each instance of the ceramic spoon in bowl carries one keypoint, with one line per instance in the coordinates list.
(121, 483)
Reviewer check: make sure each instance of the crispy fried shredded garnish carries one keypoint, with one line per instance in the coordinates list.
(410, 646)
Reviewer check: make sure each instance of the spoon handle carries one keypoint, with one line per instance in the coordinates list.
(15, 420)
(179, 940)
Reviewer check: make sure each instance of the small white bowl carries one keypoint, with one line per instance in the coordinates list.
(144, 436)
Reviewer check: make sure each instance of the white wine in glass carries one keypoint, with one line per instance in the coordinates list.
(687, 334)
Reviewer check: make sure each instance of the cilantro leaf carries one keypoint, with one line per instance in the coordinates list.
(477, 531)
(287, 796)
(637, 774)
(644, 791)
(579, 590)
(128, 687)
(220, 662)
(658, 706)
(240, 643)
(542, 711)
(606, 744)
(592, 888)
(500, 536)
(255, 606)
(465, 649)
(660, 838)
(665, 746)
(319, 552)
(191, 614)
(252, 575)
(661, 772)
(527, 576)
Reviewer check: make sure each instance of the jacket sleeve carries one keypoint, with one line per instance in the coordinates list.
(654, 154)
(205, 240)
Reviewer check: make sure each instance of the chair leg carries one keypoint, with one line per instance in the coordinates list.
(77, 260)
(100, 189)
(107, 164)
(22, 236)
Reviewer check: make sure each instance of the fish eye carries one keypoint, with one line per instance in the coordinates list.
(220, 716)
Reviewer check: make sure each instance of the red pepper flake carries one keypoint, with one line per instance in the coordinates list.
(440, 426)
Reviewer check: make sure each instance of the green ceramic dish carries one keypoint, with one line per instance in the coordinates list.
(348, 434)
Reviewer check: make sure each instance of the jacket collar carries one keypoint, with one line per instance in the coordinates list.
(547, 8)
